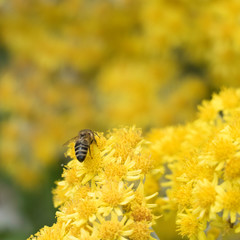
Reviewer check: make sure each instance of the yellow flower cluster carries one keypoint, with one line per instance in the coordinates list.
(203, 36)
(103, 197)
(200, 162)
(147, 63)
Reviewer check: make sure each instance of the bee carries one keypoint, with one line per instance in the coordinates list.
(82, 143)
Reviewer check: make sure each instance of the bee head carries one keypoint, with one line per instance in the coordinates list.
(86, 133)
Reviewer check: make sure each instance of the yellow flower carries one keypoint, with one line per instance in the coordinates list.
(143, 162)
(141, 213)
(203, 197)
(116, 171)
(114, 195)
(189, 225)
(111, 228)
(230, 98)
(125, 142)
(222, 148)
(181, 195)
(78, 212)
(103, 197)
(208, 111)
(56, 232)
(141, 231)
(196, 158)
(62, 194)
(232, 169)
(228, 201)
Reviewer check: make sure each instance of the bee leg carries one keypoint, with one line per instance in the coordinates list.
(94, 139)
(90, 151)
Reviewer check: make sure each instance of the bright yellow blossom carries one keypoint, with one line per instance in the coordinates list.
(114, 195)
(228, 201)
(57, 231)
(140, 231)
(112, 228)
(95, 204)
(204, 196)
(189, 225)
(201, 171)
(232, 169)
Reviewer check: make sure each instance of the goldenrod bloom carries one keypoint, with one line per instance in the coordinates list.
(189, 225)
(203, 198)
(228, 201)
(201, 165)
(94, 203)
(112, 228)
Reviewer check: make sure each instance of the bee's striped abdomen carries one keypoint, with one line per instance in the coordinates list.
(81, 150)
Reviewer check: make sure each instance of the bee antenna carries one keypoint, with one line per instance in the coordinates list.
(96, 134)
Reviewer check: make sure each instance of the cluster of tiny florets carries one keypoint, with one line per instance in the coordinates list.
(190, 170)
(103, 197)
(201, 168)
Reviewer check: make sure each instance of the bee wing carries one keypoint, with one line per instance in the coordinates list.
(71, 140)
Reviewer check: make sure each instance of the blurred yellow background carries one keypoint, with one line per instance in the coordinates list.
(70, 65)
